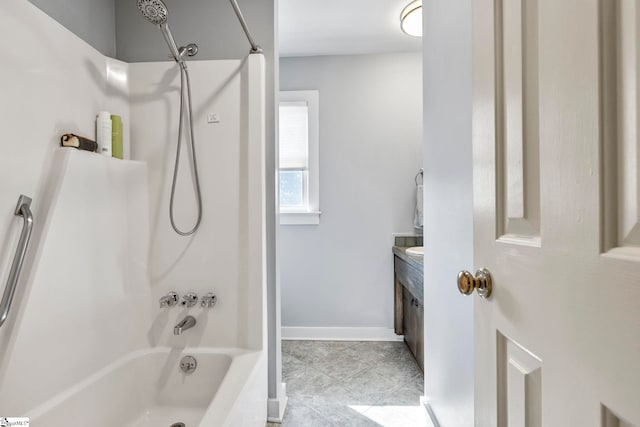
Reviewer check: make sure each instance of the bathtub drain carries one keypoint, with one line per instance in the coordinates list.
(177, 425)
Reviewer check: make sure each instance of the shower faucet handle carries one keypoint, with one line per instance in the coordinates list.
(208, 301)
(189, 299)
(169, 300)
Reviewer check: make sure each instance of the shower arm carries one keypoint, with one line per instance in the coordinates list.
(254, 47)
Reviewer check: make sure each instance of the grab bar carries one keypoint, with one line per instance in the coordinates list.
(23, 210)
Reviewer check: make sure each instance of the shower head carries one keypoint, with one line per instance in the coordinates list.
(154, 10)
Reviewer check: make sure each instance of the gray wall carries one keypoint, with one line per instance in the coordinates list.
(212, 25)
(448, 207)
(340, 273)
(94, 21)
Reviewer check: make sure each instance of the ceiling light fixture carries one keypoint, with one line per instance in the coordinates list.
(411, 19)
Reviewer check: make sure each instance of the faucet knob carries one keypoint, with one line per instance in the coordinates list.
(209, 300)
(189, 299)
(169, 300)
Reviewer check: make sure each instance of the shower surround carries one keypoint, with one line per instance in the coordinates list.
(86, 322)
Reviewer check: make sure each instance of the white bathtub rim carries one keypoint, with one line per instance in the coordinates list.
(234, 384)
(61, 397)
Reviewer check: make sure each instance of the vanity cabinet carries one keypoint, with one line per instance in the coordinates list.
(413, 326)
(409, 302)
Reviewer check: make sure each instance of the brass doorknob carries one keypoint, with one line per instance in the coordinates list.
(481, 282)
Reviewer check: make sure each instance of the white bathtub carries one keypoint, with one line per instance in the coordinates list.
(147, 389)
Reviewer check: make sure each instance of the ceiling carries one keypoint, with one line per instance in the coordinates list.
(342, 27)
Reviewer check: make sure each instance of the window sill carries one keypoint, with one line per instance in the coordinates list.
(300, 218)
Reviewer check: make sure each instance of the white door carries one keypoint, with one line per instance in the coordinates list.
(556, 212)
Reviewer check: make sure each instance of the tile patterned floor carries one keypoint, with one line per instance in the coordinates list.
(351, 384)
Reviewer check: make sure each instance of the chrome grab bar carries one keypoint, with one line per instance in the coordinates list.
(23, 210)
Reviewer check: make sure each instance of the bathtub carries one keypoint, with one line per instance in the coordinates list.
(146, 388)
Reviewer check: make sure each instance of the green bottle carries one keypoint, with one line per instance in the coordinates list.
(116, 136)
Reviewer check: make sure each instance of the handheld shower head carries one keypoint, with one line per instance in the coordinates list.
(154, 10)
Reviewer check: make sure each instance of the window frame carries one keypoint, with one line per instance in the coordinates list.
(309, 214)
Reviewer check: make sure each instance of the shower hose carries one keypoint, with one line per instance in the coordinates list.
(184, 81)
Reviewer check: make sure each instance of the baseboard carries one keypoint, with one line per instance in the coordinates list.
(339, 334)
(425, 404)
(277, 406)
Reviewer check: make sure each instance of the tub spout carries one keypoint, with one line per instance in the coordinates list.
(186, 323)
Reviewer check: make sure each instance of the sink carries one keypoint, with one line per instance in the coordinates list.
(416, 250)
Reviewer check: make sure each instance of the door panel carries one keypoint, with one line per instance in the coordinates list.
(519, 385)
(516, 84)
(609, 419)
(620, 47)
(556, 202)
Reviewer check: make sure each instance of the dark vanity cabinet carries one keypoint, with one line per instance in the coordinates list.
(409, 301)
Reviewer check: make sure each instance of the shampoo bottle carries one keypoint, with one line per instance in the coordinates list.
(103, 133)
(116, 136)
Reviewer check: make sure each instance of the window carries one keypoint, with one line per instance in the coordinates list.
(298, 148)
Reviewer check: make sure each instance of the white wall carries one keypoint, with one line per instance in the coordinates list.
(117, 29)
(448, 210)
(227, 249)
(85, 297)
(53, 84)
(340, 273)
(215, 28)
(87, 300)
